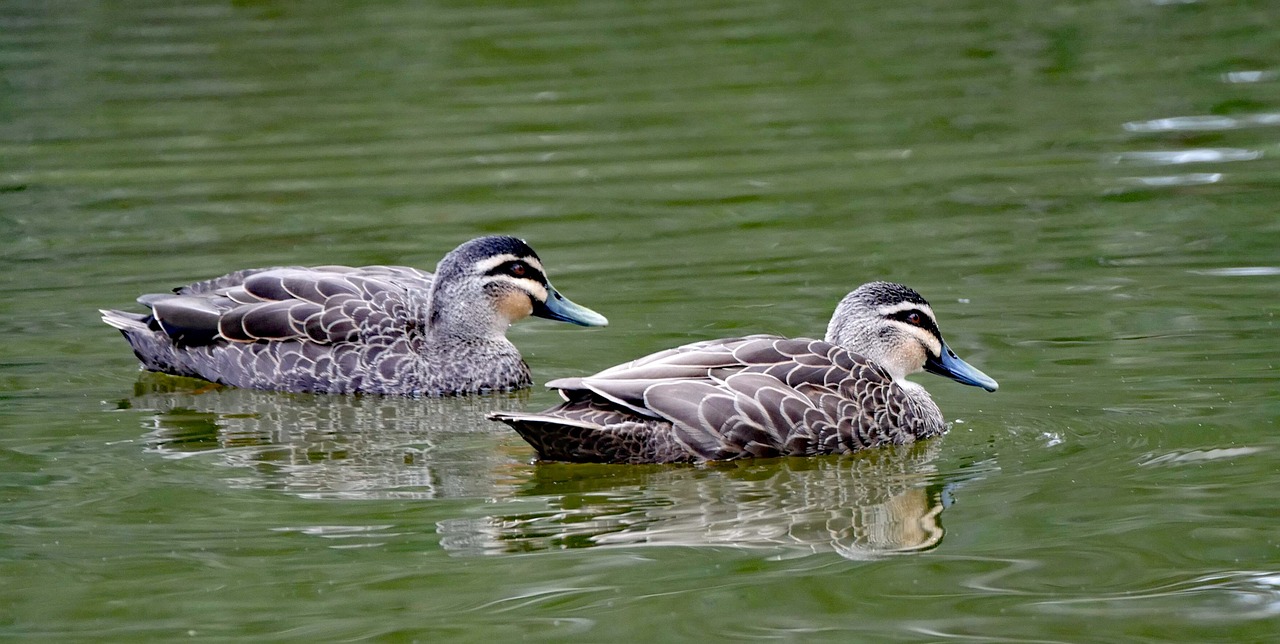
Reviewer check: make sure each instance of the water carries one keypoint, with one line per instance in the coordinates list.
(1085, 192)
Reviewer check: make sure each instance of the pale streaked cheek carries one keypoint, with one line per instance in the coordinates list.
(917, 353)
(916, 356)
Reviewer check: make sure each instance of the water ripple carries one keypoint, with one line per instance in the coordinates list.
(1226, 595)
(1251, 76)
(1205, 123)
(1172, 180)
(1177, 157)
(350, 536)
(1201, 455)
(1240, 271)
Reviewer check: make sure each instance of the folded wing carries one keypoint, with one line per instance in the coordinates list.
(753, 396)
(324, 305)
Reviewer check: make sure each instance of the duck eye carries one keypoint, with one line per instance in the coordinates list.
(517, 269)
(914, 318)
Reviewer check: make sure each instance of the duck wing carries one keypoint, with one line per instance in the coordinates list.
(324, 305)
(791, 398)
(624, 385)
(792, 361)
(753, 396)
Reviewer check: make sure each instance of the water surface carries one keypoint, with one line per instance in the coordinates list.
(1085, 192)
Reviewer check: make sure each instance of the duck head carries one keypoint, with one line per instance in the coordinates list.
(488, 283)
(894, 326)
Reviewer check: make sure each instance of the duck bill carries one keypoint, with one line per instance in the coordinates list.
(559, 307)
(951, 366)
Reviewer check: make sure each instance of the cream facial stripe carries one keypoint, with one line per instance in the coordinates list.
(535, 289)
(929, 340)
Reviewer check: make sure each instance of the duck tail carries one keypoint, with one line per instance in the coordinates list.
(563, 439)
(125, 321)
(152, 348)
(555, 439)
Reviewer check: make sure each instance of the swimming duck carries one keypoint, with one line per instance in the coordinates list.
(374, 329)
(761, 395)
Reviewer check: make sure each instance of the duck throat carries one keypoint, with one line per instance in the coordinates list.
(454, 365)
(465, 350)
(862, 341)
(454, 313)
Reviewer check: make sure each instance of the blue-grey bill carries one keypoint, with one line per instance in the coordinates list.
(559, 307)
(951, 366)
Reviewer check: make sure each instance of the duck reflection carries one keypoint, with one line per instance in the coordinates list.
(870, 504)
(864, 505)
(331, 446)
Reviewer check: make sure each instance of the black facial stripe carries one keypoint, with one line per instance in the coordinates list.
(926, 322)
(530, 273)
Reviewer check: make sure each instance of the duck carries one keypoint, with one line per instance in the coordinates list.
(389, 330)
(761, 396)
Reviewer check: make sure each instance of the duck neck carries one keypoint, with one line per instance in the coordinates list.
(466, 366)
(465, 351)
(858, 339)
(451, 316)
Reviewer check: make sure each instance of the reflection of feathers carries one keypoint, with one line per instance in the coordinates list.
(351, 447)
(862, 505)
(873, 503)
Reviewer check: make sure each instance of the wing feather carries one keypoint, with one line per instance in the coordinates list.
(188, 320)
(327, 305)
(755, 395)
(273, 320)
(680, 403)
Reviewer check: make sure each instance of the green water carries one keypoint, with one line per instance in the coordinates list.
(1086, 192)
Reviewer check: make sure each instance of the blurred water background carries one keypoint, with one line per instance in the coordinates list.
(1086, 192)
